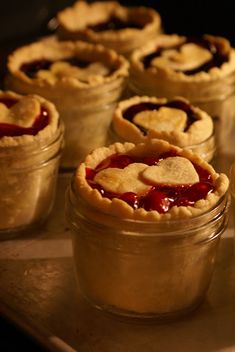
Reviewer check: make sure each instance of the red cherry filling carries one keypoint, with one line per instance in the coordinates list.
(119, 161)
(12, 130)
(9, 102)
(90, 173)
(130, 198)
(114, 23)
(161, 197)
(31, 68)
(156, 200)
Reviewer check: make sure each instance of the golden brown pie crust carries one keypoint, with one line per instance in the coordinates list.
(198, 132)
(53, 50)
(80, 103)
(74, 22)
(25, 108)
(119, 208)
(167, 82)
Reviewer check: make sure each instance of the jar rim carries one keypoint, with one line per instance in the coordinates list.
(218, 97)
(168, 228)
(113, 134)
(44, 145)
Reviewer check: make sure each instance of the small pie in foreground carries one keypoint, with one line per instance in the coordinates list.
(149, 181)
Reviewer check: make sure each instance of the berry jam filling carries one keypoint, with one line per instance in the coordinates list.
(218, 55)
(12, 130)
(133, 110)
(9, 102)
(31, 68)
(161, 197)
(114, 23)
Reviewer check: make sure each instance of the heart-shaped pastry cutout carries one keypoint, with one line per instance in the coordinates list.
(23, 113)
(189, 57)
(123, 180)
(163, 119)
(171, 171)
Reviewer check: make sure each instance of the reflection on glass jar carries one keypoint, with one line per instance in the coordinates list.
(28, 181)
(144, 269)
(232, 191)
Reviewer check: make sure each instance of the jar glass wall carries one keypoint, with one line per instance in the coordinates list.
(144, 269)
(27, 184)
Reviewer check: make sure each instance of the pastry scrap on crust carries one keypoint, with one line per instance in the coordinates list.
(26, 119)
(176, 121)
(149, 181)
(118, 27)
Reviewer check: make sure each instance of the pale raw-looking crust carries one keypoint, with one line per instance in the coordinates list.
(53, 50)
(43, 135)
(197, 133)
(73, 22)
(119, 208)
(166, 82)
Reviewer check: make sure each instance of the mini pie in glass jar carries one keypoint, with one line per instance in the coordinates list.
(120, 28)
(201, 69)
(146, 221)
(83, 80)
(31, 139)
(176, 121)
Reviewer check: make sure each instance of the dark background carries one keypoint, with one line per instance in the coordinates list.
(22, 18)
(22, 21)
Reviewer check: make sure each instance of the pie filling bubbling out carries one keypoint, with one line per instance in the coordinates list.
(215, 56)
(157, 196)
(14, 130)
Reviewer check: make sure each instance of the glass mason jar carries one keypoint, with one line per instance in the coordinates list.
(232, 191)
(28, 182)
(217, 99)
(85, 104)
(144, 269)
(213, 93)
(87, 122)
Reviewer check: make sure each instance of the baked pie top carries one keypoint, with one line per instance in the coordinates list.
(24, 119)
(177, 121)
(200, 69)
(188, 58)
(108, 23)
(149, 181)
(51, 63)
